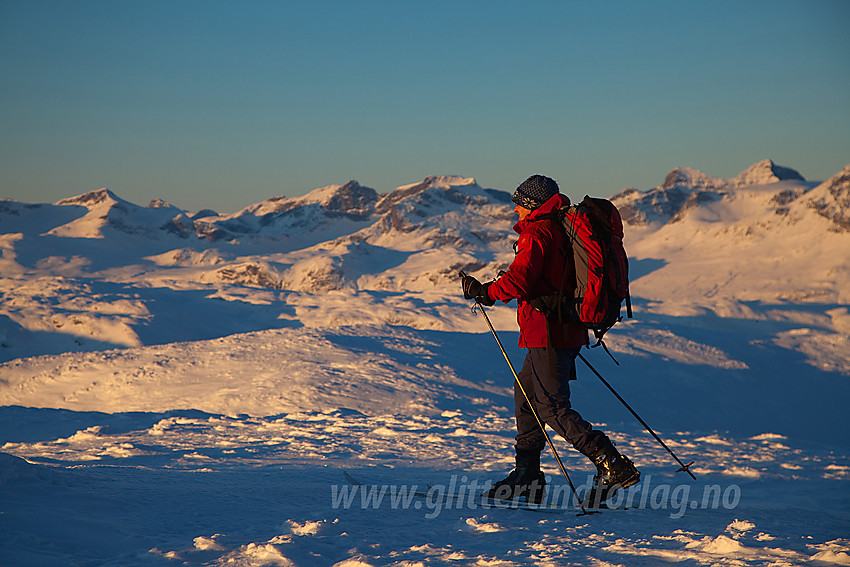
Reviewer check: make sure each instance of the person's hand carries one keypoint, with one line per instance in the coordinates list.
(473, 289)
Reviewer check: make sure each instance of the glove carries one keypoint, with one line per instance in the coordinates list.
(484, 298)
(473, 289)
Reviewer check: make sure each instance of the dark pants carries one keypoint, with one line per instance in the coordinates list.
(545, 377)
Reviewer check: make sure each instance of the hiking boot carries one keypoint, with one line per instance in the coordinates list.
(613, 472)
(525, 481)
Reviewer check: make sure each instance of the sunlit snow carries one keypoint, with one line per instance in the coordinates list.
(182, 388)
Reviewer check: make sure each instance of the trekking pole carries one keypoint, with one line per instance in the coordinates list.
(683, 467)
(584, 512)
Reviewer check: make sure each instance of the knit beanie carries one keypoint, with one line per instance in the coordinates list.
(535, 191)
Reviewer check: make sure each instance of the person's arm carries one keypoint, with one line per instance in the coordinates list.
(524, 272)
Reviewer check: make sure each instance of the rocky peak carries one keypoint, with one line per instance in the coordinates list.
(764, 173)
(351, 199)
(683, 189)
(686, 188)
(839, 186)
(158, 204)
(690, 178)
(831, 200)
(451, 187)
(90, 199)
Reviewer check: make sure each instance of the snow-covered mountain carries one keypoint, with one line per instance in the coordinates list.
(724, 242)
(831, 200)
(78, 268)
(686, 188)
(764, 173)
(780, 191)
(95, 270)
(96, 214)
(266, 350)
(335, 208)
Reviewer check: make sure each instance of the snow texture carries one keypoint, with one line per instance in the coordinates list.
(183, 388)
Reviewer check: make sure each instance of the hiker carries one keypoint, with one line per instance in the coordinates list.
(537, 270)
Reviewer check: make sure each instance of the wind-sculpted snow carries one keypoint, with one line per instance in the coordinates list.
(188, 388)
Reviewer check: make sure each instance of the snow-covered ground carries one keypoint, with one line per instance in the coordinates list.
(189, 389)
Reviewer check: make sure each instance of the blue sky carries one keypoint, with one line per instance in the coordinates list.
(223, 104)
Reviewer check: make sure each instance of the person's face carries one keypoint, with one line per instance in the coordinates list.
(522, 212)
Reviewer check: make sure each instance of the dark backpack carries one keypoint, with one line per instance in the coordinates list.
(594, 232)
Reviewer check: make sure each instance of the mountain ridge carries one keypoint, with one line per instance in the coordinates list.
(686, 189)
(683, 188)
(95, 270)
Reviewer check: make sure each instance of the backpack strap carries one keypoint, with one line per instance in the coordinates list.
(550, 305)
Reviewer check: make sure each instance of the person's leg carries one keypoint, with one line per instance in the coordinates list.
(545, 378)
(526, 480)
(613, 470)
(529, 436)
(549, 389)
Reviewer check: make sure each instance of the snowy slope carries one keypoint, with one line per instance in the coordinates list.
(187, 388)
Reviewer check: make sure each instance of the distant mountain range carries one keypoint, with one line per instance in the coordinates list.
(90, 269)
(686, 188)
(350, 207)
(337, 209)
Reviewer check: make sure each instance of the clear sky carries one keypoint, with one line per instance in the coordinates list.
(211, 104)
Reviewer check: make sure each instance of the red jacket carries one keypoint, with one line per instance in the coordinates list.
(537, 270)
